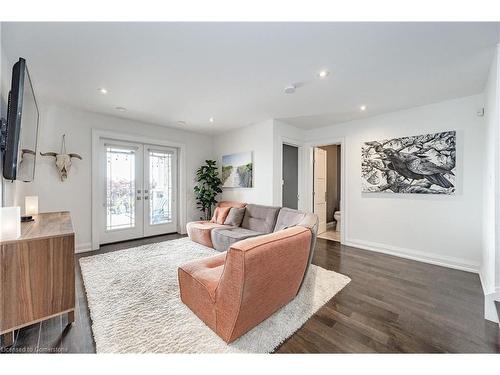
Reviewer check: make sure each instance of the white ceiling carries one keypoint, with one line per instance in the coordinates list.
(236, 72)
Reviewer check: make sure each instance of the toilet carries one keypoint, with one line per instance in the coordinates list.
(336, 216)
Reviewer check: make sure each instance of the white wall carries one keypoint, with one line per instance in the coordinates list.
(75, 193)
(259, 139)
(439, 229)
(490, 267)
(491, 154)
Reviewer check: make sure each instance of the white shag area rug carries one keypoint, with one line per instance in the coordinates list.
(134, 302)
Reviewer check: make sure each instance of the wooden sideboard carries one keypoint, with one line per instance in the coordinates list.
(37, 273)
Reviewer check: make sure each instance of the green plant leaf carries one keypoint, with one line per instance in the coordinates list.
(209, 185)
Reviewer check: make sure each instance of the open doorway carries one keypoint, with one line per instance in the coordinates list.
(290, 177)
(327, 191)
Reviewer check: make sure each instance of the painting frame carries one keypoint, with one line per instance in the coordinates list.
(237, 170)
(419, 164)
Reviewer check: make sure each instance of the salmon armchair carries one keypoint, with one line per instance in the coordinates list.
(236, 290)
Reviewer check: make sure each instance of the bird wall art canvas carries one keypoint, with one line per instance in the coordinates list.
(422, 164)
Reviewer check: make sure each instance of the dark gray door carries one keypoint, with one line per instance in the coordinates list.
(290, 176)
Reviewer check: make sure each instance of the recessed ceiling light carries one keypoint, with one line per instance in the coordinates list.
(121, 109)
(290, 89)
(181, 123)
(323, 74)
(102, 90)
(363, 108)
(211, 119)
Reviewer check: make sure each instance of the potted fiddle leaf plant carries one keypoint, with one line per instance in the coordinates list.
(209, 185)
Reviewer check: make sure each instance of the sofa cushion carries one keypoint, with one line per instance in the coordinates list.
(199, 231)
(288, 218)
(220, 215)
(235, 216)
(223, 238)
(260, 218)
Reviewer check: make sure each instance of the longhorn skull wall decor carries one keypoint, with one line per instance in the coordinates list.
(63, 160)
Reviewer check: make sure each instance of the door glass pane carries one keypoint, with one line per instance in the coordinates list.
(160, 187)
(120, 188)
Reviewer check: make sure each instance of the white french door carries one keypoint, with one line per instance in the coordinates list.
(160, 190)
(139, 190)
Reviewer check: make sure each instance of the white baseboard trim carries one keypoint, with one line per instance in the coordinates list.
(486, 289)
(490, 296)
(83, 247)
(421, 256)
(490, 310)
(87, 246)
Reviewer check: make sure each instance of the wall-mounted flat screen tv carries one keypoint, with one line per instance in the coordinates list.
(20, 131)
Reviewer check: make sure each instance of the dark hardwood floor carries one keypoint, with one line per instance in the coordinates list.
(392, 305)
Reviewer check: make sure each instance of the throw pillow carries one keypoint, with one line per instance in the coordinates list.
(235, 216)
(220, 214)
